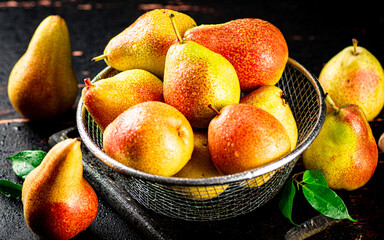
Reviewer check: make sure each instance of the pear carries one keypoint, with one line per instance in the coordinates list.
(151, 137)
(256, 49)
(271, 99)
(58, 202)
(243, 137)
(355, 76)
(200, 166)
(43, 84)
(345, 150)
(144, 44)
(195, 77)
(108, 98)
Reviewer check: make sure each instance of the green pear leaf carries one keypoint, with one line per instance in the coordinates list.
(24, 162)
(326, 201)
(286, 201)
(10, 189)
(313, 176)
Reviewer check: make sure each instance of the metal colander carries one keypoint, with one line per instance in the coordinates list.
(224, 197)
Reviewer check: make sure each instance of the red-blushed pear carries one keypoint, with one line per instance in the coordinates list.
(58, 202)
(256, 48)
(345, 150)
(108, 98)
(243, 137)
(194, 77)
(152, 137)
(355, 76)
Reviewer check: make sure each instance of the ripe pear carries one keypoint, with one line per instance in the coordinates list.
(152, 137)
(108, 98)
(58, 202)
(243, 137)
(145, 43)
(256, 48)
(355, 76)
(200, 166)
(271, 99)
(195, 77)
(43, 84)
(345, 150)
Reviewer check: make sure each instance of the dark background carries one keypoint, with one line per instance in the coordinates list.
(314, 30)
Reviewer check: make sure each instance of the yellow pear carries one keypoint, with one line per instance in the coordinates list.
(108, 98)
(195, 77)
(145, 43)
(271, 99)
(200, 166)
(355, 76)
(152, 137)
(43, 84)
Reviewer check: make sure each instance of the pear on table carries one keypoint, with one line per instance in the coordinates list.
(58, 202)
(345, 150)
(43, 84)
(144, 44)
(195, 77)
(355, 76)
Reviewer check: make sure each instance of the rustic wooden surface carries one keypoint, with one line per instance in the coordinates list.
(314, 30)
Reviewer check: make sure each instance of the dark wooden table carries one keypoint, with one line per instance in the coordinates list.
(315, 31)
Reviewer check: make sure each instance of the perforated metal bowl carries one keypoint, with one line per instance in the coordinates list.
(226, 196)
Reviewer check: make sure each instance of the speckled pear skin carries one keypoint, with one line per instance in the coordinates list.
(43, 84)
(355, 79)
(345, 150)
(195, 77)
(270, 98)
(108, 98)
(58, 202)
(243, 137)
(144, 44)
(256, 48)
(152, 137)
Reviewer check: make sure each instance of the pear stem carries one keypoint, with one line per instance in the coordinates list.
(214, 109)
(88, 82)
(98, 58)
(331, 102)
(354, 42)
(181, 41)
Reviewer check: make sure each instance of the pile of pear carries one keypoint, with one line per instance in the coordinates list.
(192, 101)
(345, 150)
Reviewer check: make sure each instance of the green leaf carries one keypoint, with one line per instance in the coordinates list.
(313, 176)
(286, 201)
(326, 201)
(10, 189)
(24, 162)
